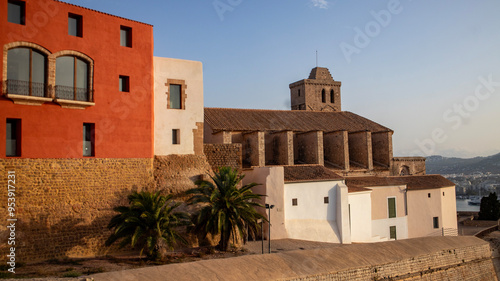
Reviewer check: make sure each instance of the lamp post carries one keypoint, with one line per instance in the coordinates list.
(269, 207)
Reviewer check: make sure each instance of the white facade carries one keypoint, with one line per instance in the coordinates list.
(313, 219)
(360, 206)
(186, 120)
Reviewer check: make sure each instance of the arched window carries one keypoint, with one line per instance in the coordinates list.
(72, 78)
(26, 72)
(323, 96)
(332, 97)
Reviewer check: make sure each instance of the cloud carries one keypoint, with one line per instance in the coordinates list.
(322, 4)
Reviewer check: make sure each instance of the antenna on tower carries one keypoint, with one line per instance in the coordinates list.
(316, 58)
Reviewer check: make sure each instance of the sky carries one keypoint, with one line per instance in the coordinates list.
(429, 70)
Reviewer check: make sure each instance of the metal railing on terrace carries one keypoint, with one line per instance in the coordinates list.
(72, 93)
(444, 232)
(26, 88)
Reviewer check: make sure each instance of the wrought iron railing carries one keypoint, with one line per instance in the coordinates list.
(25, 88)
(71, 93)
(444, 232)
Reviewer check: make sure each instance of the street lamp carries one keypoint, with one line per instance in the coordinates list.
(269, 207)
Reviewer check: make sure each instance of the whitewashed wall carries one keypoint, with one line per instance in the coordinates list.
(360, 216)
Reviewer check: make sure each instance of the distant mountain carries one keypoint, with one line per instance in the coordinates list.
(452, 165)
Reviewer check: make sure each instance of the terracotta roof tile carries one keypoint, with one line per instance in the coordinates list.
(232, 119)
(412, 182)
(300, 173)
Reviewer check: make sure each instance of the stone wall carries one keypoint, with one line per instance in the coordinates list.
(410, 165)
(219, 155)
(64, 205)
(178, 173)
(430, 258)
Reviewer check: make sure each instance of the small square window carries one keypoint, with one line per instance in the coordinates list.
(13, 138)
(75, 25)
(294, 202)
(124, 83)
(176, 138)
(16, 12)
(429, 195)
(88, 139)
(326, 200)
(125, 36)
(435, 221)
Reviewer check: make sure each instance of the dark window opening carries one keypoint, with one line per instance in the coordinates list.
(299, 92)
(124, 83)
(16, 12)
(294, 202)
(175, 96)
(332, 97)
(26, 70)
(326, 200)
(392, 232)
(429, 195)
(125, 36)
(75, 25)
(391, 202)
(13, 138)
(72, 76)
(176, 138)
(323, 96)
(435, 221)
(88, 139)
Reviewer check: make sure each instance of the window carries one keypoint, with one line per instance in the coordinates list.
(26, 72)
(75, 25)
(88, 139)
(435, 222)
(176, 138)
(125, 36)
(294, 202)
(323, 96)
(443, 193)
(429, 195)
(299, 92)
(16, 12)
(175, 96)
(332, 97)
(124, 83)
(391, 202)
(72, 78)
(392, 232)
(13, 138)
(326, 200)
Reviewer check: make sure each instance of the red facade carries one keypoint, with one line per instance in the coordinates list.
(110, 90)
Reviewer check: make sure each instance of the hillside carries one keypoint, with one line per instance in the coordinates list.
(452, 165)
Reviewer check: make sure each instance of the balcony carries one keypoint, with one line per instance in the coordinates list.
(71, 97)
(25, 92)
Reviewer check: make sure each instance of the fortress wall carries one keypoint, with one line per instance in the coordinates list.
(63, 206)
(430, 258)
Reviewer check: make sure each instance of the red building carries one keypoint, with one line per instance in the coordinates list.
(84, 73)
(76, 122)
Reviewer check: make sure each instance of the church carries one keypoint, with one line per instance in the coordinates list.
(331, 174)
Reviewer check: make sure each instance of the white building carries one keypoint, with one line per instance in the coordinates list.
(313, 203)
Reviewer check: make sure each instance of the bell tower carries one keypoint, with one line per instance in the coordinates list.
(317, 93)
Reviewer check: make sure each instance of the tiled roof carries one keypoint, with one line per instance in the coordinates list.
(412, 182)
(232, 119)
(352, 189)
(301, 173)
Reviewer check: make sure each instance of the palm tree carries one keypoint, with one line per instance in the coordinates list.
(225, 208)
(149, 222)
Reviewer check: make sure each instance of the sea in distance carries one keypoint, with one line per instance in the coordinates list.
(463, 206)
